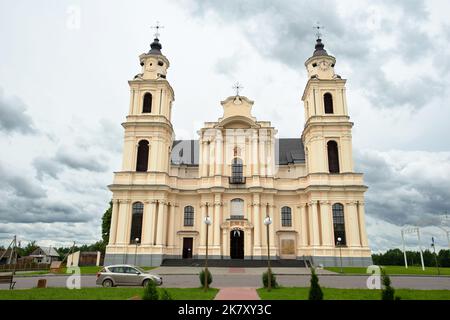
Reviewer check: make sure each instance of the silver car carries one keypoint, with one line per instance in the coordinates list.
(125, 275)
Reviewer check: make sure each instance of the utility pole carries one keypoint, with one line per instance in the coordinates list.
(435, 256)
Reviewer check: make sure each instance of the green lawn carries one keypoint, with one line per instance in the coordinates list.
(392, 270)
(352, 294)
(101, 294)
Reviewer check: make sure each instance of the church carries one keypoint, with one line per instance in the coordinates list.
(238, 192)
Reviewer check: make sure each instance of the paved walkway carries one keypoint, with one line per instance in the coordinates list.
(237, 294)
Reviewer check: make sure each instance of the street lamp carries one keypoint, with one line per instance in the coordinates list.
(435, 256)
(208, 222)
(339, 239)
(136, 241)
(268, 222)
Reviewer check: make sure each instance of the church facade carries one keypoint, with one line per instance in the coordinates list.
(296, 198)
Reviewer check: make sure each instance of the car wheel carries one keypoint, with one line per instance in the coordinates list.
(107, 283)
(145, 282)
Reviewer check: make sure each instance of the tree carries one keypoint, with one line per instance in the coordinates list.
(202, 277)
(28, 249)
(165, 295)
(315, 292)
(106, 224)
(273, 280)
(388, 292)
(150, 291)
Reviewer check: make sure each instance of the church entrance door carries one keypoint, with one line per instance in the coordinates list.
(187, 248)
(237, 244)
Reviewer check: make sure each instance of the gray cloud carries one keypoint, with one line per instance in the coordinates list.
(277, 32)
(13, 117)
(401, 191)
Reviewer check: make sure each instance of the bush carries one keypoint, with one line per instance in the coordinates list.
(273, 280)
(387, 293)
(202, 277)
(315, 292)
(165, 295)
(150, 291)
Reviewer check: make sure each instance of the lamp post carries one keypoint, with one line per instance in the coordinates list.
(435, 256)
(339, 239)
(136, 242)
(268, 222)
(208, 222)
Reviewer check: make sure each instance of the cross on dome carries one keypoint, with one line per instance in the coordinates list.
(237, 86)
(157, 27)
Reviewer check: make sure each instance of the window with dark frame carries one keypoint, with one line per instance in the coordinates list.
(188, 216)
(328, 102)
(142, 156)
(147, 105)
(286, 217)
(333, 157)
(136, 222)
(339, 224)
(237, 171)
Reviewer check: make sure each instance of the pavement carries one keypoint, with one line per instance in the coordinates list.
(187, 277)
(237, 294)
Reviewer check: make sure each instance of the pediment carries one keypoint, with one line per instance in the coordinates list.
(237, 113)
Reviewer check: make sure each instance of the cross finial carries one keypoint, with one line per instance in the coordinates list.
(157, 27)
(237, 86)
(318, 27)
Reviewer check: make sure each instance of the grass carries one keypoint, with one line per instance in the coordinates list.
(352, 294)
(101, 294)
(84, 270)
(393, 270)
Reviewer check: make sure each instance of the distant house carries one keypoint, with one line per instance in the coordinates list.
(44, 255)
(5, 256)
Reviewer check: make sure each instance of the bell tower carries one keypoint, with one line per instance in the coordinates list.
(148, 127)
(327, 133)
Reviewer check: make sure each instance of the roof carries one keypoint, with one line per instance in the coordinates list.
(47, 251)
(319, 49)
(155, 47)
(288, 151)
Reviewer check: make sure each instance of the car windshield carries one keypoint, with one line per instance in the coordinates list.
(140, 269)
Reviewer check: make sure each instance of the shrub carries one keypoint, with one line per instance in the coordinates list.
(387, 293)
(273, 280)
(150, 291)
(315, 292)
(165, 295)
(202, 277)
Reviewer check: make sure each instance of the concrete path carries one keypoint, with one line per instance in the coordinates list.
(237, 294)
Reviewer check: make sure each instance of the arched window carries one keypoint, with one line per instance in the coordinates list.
(188, 216)
(339, 224)
(286, 217)
(237, 171)
(328, 102)
(142, 156)
(136, 222)
(237, 209)
(147, 105)
(333, 156)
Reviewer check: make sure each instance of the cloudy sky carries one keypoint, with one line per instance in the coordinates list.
(64, 67)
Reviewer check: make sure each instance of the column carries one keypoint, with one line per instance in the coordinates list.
(362, 224)
(270, 155)
(153, 164)
(257, 220)
(121, 234)
(255, 157)
(211, 158)
(160, 224)
(314, 223)
(217, 220)
(219, 152)
(146, 224)
(152, 222)
(262, 152)
(272, 228)
(114, 217)
(202, 225)
(304, 225)
(351, 224)
(297, 217)
(171, 222)
(326, 220)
